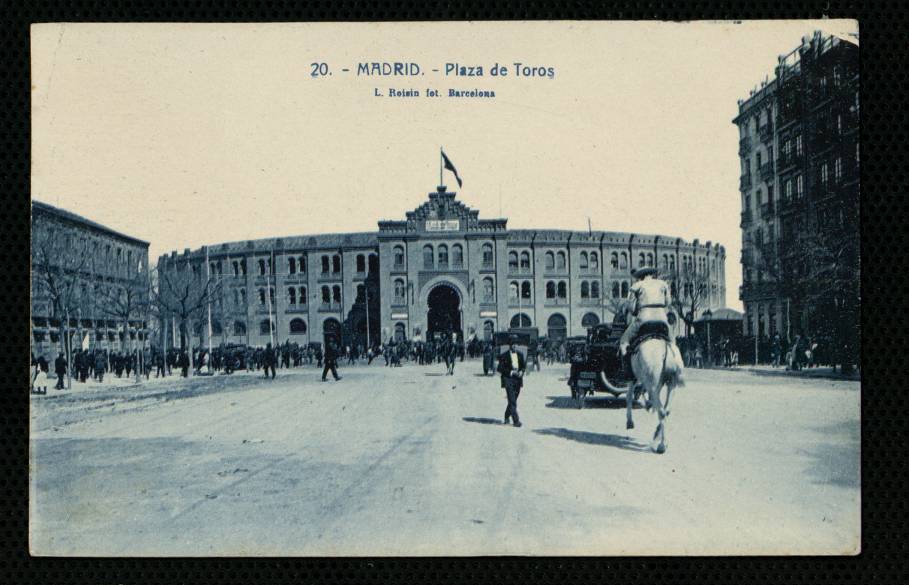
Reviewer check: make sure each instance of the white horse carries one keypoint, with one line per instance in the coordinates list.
(656, 363)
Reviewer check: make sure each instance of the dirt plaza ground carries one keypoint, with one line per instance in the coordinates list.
(408, 461)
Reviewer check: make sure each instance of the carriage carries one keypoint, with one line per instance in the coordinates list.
(595, 362)
(526, 340)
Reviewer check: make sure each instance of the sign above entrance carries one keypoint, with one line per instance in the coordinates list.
(442, 225)
(487, 313)
(399, 315)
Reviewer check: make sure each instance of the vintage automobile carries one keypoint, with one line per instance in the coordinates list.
(595, 362)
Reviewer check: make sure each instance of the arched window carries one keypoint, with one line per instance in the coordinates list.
(650, 260)
(271, 294)
(262, 296)
(400, 332)
(216, 328)
(514, 291)
(266, 327)
(291, 296)
(563, 290)
(302, 295)
(594, 290)
(236, 267)
(665, 263)
(291, 265)
(585, 290)
(297, 327)
(584, 263)
(361, 263)
(336, 294)
(590, 320)
(457, 256)
(550, 290)
(549, 261)
(261, 267)
(302, 263)
(399, 291)
(239, 328)
(671, 263)
(525, 261)
(336, 263)
(616, 292)
(325, 265)
(623, 261)
(525, 290)
(489, 290)
(443, 257)
(428, 257)
(560, 261)
(520, 320)
(487, 255)
(488, 330)
(326, 295)
(399, 256)
(243, 266)
(243, 296)
(557, 327)
(594, 261)
(614, 260)
(641, 259)
(513, 261)
(624, 289)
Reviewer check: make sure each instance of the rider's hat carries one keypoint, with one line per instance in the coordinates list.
(644, 271)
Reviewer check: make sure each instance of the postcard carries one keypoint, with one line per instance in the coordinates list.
(445, 288)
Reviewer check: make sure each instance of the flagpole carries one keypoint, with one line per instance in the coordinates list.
(208, 295)
(440, 166)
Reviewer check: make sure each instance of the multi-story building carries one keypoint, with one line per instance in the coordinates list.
(440, 269)
(799, 184)
(88, 281)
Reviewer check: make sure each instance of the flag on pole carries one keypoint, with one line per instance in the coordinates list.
(451, 168)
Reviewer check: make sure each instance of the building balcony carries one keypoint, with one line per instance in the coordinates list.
(746, 218)
(766, 133)
(745, 146)
(766, 171)
(745, 182)
(757, 290)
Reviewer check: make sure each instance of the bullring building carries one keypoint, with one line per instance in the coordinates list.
(440, 270)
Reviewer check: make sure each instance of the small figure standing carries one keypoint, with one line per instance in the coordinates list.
(60, 370)
(331, 361)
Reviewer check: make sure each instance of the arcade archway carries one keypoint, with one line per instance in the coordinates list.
(444, 316)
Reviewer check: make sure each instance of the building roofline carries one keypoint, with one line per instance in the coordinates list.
(76, 218)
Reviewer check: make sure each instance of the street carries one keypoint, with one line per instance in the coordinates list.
(408, 461)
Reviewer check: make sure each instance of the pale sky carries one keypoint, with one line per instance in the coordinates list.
(185, 135)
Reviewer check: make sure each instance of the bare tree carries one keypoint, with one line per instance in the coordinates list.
(184, 292)
(125, 301)
(692, 293)
(61, 263)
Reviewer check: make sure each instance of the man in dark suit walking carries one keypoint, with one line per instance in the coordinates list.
(511, 366)
(60, 369)
(331, 360)
(270, 358)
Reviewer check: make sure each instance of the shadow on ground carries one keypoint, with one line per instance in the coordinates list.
(609, 402)
(482, 421)
(604, 439)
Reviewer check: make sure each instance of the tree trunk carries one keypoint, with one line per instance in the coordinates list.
(189, 350)
(67, 348)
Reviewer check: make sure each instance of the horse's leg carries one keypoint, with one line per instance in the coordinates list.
(657, 444)
(629, 400)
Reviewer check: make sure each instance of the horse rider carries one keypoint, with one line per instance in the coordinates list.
(649, 301)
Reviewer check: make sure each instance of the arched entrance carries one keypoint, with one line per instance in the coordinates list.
(557, 327)
(444, 311)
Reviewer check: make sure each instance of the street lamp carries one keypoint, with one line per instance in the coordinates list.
(707, 315)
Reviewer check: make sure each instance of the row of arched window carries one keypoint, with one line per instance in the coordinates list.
(556, 324)
(437, 257)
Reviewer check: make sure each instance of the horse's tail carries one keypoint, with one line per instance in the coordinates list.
(673, 367)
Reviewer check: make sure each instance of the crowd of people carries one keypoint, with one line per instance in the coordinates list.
(802, 351)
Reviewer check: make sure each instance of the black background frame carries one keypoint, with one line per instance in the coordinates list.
(884, 37)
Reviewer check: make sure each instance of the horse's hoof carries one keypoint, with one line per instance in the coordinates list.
(629, 425)
(661, 448)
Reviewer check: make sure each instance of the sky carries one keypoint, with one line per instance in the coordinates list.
(192, 134)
